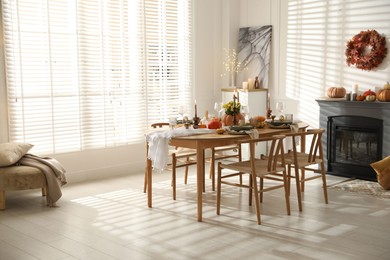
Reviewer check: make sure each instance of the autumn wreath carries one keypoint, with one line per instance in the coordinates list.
(366, 50)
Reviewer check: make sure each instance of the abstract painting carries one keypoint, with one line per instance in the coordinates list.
(254, 49)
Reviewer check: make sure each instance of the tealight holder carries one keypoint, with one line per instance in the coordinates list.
(196, 121)
(269, 113)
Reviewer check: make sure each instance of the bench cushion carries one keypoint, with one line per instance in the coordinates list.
(21, 178)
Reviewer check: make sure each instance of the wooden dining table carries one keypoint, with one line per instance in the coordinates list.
(202, 142)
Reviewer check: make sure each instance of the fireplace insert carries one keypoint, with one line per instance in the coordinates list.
(353, 143)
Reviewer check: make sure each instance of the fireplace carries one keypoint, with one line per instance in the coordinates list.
(353, 143)
(360, 136)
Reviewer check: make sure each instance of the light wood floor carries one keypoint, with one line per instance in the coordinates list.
(109, 219)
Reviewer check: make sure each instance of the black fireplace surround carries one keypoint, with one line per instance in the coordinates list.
(353, 143)
(357, 133)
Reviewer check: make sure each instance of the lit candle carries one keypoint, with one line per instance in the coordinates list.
(196, 109)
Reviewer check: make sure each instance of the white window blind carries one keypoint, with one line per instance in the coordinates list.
(89, 74)
(317, 32)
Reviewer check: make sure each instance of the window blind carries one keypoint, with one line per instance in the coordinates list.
(89, 74)
(317, 32)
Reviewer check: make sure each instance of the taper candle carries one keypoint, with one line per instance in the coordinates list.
(196, 109)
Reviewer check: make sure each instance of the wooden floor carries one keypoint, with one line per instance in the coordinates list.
(109, 219)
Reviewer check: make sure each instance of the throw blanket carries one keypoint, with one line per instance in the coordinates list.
(158, 144)
(53, 171)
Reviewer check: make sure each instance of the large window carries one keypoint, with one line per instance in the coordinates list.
(317, 32)
(88, 74)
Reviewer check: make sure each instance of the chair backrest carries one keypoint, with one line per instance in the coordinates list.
(275, 154)
(315, 151)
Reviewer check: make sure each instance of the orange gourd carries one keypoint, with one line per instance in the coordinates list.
(227, 120)
(384, 95)
(336, 92)
(360, 98)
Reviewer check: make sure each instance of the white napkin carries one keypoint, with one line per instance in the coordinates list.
(158, 144)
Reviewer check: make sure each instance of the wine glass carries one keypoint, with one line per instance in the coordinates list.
(245, 112)
(218, 107)
(280, 107)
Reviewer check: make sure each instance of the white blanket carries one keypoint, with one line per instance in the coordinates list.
(159, 140)
(54, 174)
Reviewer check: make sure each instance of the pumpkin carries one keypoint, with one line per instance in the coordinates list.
(336, 92)
(368, 93)
(360, 98)
(214, 124)
(387, 85)
(227, 120)
(370, 98)
(384, 95)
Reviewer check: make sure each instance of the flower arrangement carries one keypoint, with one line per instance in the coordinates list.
(356, 52)
(232, 108)
(231, 64)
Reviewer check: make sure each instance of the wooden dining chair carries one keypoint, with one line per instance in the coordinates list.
(222, 153)
(268, 167)
(302, 161)
(180, 157)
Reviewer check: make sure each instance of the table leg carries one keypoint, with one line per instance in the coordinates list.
(200, 178)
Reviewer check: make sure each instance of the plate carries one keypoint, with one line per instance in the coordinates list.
(279, 123)
(284, 126)
(240, 128)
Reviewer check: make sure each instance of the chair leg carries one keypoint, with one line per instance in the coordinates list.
(286, 193)
(185, 174)
(174, 176)
(2, 200)
(324, 182)
(219, 179)
(302, 180)
(44, 191)
(298, 185)
(257, 199)
(261, 188)
(250, 193)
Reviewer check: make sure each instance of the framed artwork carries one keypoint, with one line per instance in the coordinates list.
(254, 47)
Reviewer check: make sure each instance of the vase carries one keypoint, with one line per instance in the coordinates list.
(227, 120)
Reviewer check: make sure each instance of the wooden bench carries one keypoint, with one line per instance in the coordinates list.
(20, 178)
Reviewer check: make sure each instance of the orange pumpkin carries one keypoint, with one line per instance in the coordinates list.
(360, 98)
(336, 92)
(227, 120)
(384, 95)
(214, 124)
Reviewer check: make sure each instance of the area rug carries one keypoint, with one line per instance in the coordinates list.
(362, 187)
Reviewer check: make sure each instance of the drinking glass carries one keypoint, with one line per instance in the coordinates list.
(280, 107)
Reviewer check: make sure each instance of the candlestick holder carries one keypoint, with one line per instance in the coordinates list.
(269, 113)
(196, 121)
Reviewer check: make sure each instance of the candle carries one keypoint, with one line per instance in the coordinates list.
(196, 109)
(355, 88)
(268, 101)
(245, 85)
(250, 83)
